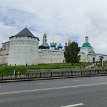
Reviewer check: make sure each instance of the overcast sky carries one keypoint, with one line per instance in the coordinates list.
(66, 19)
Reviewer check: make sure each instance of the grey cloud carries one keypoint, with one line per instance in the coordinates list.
(63, 18)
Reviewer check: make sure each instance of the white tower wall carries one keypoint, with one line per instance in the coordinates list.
(23, 51)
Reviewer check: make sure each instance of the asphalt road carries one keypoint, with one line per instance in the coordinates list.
(72, 92)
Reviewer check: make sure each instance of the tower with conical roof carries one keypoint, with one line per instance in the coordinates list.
(23, 48)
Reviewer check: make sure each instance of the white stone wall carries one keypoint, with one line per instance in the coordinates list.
(50, 56)
(86, 50)
(83, 58)
(87, 54)
(23, 51)
(98, 55)
(5, 46)
(89, 57)
(3, 59)
(105, 58)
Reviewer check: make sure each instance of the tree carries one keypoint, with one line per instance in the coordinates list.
(42, 47)
(71, 53)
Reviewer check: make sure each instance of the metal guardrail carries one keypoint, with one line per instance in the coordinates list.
(55, 74)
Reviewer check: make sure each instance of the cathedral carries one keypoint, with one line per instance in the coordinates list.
(23, 49)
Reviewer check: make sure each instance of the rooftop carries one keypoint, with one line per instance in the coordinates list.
(24, 32)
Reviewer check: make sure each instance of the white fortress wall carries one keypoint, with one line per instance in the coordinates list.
(4, 53)
(50, 56)
(3, 59)
(104, 57)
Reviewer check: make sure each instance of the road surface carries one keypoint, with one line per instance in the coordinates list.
(72, 92)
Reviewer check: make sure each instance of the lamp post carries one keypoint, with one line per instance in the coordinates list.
(101, 60)
(63, 63)
(94, 61)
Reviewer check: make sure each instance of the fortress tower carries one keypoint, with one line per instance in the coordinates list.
(23, 48)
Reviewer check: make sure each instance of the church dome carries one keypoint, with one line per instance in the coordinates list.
(47, 46)
(53, 44)
(59, 46)
(86, 44)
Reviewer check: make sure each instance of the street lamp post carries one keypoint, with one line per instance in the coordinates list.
(63, 63)
(101, 60)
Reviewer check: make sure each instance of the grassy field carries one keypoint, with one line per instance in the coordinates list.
(23, 69)
(104, 64)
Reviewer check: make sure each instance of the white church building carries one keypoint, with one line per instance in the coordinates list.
(87, 53)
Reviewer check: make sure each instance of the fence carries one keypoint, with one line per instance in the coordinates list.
(36, 74)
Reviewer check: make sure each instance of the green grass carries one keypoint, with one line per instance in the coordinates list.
(23, 69)
(105, 64)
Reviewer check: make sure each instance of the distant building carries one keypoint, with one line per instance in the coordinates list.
(4, 52)
(87, 53)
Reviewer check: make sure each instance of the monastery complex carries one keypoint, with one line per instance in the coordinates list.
(23, 49)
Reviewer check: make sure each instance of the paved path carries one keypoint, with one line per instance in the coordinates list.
(73, 92)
